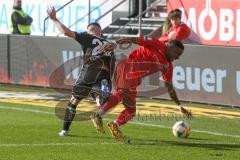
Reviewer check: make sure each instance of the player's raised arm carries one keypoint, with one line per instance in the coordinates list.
(113, 44)
(172, 93)
(62, 28)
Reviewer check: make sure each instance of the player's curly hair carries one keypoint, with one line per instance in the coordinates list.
(176, 43)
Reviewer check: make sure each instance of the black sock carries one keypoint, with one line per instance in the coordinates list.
(69, 115)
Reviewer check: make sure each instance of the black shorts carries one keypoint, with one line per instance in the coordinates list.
(89, 84)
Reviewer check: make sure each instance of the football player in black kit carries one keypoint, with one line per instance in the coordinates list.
(96, 66)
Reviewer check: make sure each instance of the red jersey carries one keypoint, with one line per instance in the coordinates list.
(178, 32)
(149, 58)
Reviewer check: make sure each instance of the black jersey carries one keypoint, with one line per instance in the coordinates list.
(93, 61)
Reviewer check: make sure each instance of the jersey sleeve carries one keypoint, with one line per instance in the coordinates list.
(149, 42)
(167, 75)
(81, 38)
(165, 37)
(182, 33)
(145, 40)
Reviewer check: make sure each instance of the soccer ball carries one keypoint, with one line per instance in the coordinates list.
(181, 129)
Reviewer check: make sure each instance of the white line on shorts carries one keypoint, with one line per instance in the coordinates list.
(133, 123)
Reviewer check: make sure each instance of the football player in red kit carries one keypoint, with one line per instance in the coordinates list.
(178, 30)
(152, 56)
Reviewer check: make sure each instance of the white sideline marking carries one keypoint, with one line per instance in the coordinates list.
(26, 95)
(192, 130)
(134, 123)
(53, 144)
(26, 109)
(201, 143)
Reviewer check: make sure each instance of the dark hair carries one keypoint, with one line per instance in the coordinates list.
(95, 24)
(176, 43)
(176, 13)
(178, 10)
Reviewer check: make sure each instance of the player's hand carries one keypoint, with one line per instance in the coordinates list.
(52, 13)
(185, 112)
(110, 46)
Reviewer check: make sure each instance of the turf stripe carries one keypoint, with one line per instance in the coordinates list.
(134, 123)
(143, 107)
(116, 143)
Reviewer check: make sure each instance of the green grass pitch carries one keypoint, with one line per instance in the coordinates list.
(27, 134)
(31, 133)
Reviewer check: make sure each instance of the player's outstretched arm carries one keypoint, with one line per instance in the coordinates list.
(135, 40)
(62, 28)
(110, 46)
(172, 93)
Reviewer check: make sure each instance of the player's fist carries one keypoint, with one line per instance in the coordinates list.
(52, 13)
(110, 46)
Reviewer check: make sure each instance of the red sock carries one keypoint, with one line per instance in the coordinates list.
(126, 115)
(111, 102)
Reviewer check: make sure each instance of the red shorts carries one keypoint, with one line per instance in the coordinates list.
(124, 77)
(127, 97)
(126, 82)
(128, 76)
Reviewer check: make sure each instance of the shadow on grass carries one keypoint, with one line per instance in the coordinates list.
(199, 144)
(107, 137)
(212, 145)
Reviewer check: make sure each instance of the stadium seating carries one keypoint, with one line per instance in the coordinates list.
(128, 27)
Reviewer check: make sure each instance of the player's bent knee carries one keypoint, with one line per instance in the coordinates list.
(75, 100)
